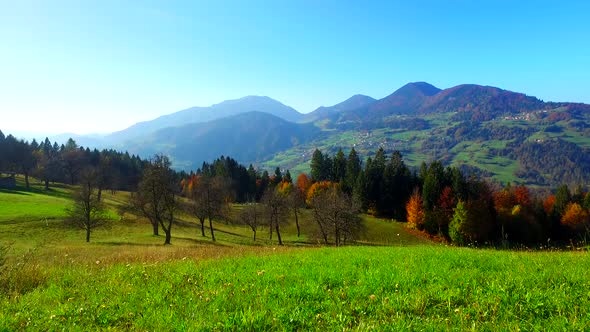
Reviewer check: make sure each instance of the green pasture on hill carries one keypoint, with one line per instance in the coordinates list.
(125, 279)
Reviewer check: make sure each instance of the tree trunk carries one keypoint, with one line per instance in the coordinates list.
(278, 233)
(156, 228)
(211, 227)
(87, 234)
(168, 236)
(254, 230)
(297, 223)
(202, 227)
(99, 194)
(270, 229)
(46, 184)
(336, 236)
(27, 180)
(167, 231)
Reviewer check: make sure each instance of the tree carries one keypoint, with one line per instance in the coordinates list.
(156, 195)
(251, 216)
(415, 210)
(317, 166)
(339, 167)
(87, 211)
(303, 183)
(562, 199)
(211, 197)
(196, 207)
(278, 178)
(72, 159)
(316, 188)
(336, 215)
(457, 225)
(446, 203)
(586, 201)
(25, 159)
(353, 168)
(472, 222)
(295, 201)
(276, 210)
(433, 185)
(575, 217)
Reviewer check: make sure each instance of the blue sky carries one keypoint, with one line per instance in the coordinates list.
(100, 66)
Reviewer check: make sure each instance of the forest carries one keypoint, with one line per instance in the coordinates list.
(439, 201)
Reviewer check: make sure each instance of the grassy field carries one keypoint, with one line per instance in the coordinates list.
(125, 279)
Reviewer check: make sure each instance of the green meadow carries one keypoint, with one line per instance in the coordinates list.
(390, 279)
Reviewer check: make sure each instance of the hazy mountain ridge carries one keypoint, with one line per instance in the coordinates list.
(205, 114)
(247, 137)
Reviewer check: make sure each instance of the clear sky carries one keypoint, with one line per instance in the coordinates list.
(99, 66)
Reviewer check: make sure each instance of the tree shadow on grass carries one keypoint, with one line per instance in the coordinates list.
(127, 243)
(16, 191)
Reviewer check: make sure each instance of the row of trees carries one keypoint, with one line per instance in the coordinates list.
(435, 199)
(51, 162)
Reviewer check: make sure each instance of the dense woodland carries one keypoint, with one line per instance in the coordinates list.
(438, 200)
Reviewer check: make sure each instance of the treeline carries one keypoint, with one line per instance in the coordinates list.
(51, 163)
(441, 201)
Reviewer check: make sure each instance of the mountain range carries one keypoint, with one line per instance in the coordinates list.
(485, 130)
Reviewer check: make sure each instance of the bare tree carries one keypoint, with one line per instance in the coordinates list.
(336, 215)
(276, 210)
(156, 195)
(87, 212)
(211, 197)
(296, 200)
(251, 216)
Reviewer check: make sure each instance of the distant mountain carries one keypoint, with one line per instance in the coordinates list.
(247, 137)
(204, 114)
(480, 102)
(405, 100)
(352, 103)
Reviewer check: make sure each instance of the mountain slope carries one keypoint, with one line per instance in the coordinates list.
(405, 100)
(350, 104)
(495, 133)
(247, 137)
(205, 114)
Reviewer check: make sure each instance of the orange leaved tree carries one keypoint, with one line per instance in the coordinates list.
(415, 210)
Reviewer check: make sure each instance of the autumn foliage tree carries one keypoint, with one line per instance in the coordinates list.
(415, 210)
(575, 217)
(316, 188)
(303, 183)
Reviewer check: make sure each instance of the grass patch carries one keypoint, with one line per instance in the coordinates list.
(415, 288)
